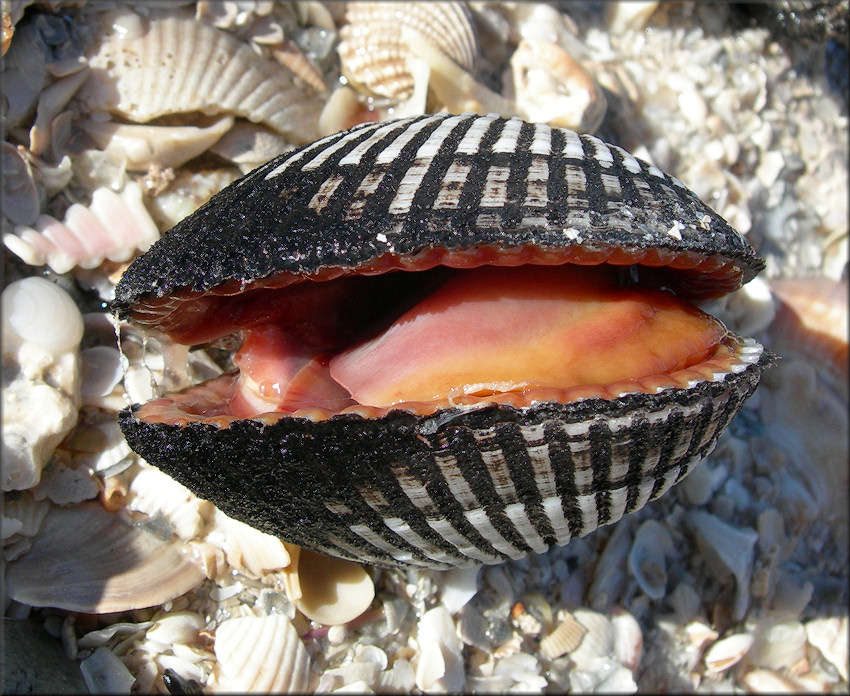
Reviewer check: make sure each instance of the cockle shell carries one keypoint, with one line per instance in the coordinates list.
(178, 65)
(477, 482)
(374, 54)
(260, 654)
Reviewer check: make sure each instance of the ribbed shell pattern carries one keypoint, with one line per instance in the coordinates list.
(432, 182)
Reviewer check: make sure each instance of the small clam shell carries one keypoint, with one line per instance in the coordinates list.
(329, 591)
(180, 65)
(374, 55)
(727, 652)
(88, 560)
(260, 654)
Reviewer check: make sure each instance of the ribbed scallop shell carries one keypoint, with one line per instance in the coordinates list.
(464, 485)
(261, 654)
(373, 54)
(180, 65)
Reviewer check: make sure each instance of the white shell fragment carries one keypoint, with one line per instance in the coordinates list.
(112, 227)
(86, 559)
(647, 558)
(829, 635)
(244, 546)
(42, 328)
(440, 665)
(179, 65)
(166, 146)
(550, 86)
(727, 652)
(261, 654)
(728, 551)
(104, 673)
(153, 493)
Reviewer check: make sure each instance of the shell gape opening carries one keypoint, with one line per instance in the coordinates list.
(476, 333)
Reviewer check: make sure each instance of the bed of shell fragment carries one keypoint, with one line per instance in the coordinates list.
(746, 586)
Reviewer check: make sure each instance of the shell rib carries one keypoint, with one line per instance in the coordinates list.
(180, 65)
(460, 485)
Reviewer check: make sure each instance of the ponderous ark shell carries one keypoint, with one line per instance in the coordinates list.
(461, 485)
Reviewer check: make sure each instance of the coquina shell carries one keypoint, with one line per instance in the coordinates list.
(461, 486)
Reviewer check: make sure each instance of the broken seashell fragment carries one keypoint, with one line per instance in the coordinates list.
(564, 639)
(727, 652)
(550, 86)
(112, 227)
(647, 560)
(439, 665)
(727, 551)
(164, 146)
(42, 329)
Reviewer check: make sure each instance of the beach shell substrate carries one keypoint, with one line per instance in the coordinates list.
(736, 580)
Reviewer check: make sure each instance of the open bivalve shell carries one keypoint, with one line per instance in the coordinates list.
(396, 404)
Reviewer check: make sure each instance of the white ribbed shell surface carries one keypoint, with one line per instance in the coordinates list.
(373, 53)
(261, 654)
(180, 65)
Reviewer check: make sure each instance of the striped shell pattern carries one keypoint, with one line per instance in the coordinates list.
(462, 485)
